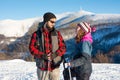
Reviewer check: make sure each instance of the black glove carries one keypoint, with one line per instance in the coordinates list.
(54, 55)
(57, 60)
(45, 57)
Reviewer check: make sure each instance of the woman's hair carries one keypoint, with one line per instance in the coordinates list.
(79, 35)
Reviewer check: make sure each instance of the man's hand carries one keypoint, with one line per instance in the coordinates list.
(49, 56)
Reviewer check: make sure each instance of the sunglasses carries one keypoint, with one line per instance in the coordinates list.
(52, 21)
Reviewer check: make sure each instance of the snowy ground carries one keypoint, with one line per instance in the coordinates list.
(22, 70)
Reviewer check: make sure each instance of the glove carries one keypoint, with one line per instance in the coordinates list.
(54, 55)
(57, 61)
(45, 57)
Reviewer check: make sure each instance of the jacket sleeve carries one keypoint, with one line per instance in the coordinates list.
(33, 47)
(62, 47)
(86, 48)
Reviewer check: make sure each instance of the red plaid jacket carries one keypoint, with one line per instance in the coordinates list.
(47, 45)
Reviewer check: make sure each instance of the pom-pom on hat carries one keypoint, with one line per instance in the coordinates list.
(47, 16)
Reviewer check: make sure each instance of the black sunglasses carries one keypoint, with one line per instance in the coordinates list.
(52, 21)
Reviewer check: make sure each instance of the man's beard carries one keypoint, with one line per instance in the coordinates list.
(49, 29)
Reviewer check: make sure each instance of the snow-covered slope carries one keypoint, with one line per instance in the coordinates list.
(18, 28)
(72, 16)
(22, 70)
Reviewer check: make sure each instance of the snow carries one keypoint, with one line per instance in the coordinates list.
(12, 40)
(21, 70)
(16, 28)
(71, 16)
(106, 72)
(106, 16)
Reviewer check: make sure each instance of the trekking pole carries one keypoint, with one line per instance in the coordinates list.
(67, 60)
(49, 63)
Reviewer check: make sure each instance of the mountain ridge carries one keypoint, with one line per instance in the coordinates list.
(105, 37)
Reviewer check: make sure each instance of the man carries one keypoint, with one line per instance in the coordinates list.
(48, 48)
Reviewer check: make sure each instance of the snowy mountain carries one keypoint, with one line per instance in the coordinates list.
(71, 17)
(15, 34)
(22, 70)
(15, 28)
(18, 28)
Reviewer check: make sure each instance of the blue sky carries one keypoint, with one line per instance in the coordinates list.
(23, 9)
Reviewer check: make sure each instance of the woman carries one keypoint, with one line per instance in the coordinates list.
(82, 60)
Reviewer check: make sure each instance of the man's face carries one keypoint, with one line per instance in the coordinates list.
(51, 22)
